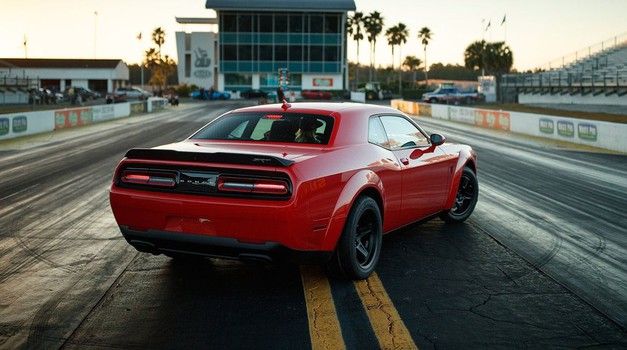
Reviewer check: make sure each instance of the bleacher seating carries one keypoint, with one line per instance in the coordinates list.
(601, 73)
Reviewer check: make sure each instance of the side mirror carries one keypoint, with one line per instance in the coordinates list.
(437, 139)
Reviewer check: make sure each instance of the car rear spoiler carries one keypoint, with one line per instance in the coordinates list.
(219, 157)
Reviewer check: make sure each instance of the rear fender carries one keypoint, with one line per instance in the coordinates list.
(360, 181)
(467, 157)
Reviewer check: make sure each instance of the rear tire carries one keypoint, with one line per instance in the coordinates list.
(359, 247)
(466, 198)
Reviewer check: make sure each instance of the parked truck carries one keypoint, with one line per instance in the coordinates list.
(452, 95)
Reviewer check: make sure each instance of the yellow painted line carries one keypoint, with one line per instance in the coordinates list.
(324, 326)
(384, 318)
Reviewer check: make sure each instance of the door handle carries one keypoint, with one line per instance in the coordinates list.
(405, 161)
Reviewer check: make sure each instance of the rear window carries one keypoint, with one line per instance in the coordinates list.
(269, 127)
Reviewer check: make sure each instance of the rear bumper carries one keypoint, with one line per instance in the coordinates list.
(164, 242)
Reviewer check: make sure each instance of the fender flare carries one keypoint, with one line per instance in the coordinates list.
(467, 157)
(363, 180)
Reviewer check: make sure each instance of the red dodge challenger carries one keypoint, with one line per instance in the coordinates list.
(312, 183)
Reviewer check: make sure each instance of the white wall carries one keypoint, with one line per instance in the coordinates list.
(594, 133)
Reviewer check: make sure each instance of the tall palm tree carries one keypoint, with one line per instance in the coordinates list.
(492, 58)
(355, 28)
(374, 26)
(158, 37)
(425, 35)
(397, 35)
(412, 63)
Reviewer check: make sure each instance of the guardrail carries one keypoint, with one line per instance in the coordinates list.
(600, 134)
(21, 124)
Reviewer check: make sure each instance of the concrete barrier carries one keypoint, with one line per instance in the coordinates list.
(606, 135)
(21, 124)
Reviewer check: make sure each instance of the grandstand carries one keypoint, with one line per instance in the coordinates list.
(597, 75)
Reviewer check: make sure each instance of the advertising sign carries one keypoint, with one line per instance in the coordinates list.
(73, 117)
(323, 82)
(492, 119)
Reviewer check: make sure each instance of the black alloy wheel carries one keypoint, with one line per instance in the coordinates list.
(466, 198)
(359, 247)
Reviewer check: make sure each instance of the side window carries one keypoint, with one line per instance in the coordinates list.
(376, 133)
(401, 133)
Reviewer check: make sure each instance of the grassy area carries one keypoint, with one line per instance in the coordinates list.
(514, 107)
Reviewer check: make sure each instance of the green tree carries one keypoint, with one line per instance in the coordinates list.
(425, 35)
(412, 63)
(374, 26)
(355, 27)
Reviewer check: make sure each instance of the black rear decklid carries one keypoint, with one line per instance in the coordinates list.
(201, 157)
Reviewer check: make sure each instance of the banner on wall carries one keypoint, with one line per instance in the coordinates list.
(492, 119)
(72, 117)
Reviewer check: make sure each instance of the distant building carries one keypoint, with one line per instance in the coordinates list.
(256, 39)
(99, 75)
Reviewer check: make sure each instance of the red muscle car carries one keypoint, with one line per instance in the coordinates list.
(307, 183)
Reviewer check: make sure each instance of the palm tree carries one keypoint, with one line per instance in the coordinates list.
(355, 30)
(374, 26)
(397, 35)
(425, 35)
(492, 58)
(412, 63)
(158, 37)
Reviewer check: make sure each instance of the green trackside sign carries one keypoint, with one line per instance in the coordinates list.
(20, 124)
(5, 126)
(587, 131)
(547, 126)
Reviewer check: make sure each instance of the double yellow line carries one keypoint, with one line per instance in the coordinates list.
(324, 326)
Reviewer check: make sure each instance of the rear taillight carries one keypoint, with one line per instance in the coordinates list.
(148, 178)
(248, 185)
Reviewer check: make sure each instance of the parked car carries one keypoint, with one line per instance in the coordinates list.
(316, 95)
(242, 186)
(253, 93)
(113, 98)
(132, 93)
(86, 94)
(451, 95)
(210, 95)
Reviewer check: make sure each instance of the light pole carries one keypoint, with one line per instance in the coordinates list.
(95, 33)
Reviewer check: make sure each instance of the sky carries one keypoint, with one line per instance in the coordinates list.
(538, 32)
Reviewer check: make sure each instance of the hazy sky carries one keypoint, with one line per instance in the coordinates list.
(537, 31)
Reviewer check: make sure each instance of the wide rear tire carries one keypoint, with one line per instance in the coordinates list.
(359, 247)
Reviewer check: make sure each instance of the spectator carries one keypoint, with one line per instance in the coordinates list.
(280, 95)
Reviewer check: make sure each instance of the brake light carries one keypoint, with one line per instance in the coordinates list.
(247, 185)
(149, 179)
(273, 116)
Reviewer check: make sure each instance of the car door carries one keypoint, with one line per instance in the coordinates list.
(425, 168)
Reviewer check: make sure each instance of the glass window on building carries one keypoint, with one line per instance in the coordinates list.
(332, 24)
(331, 53)
(269, 80)
(188, 41)
(315, 53)
(229, 23)
(245, 23)
(280, 23)
(265, 23)
(229, 52)
(265, 52)
(235, 79)
(280, 53)
(296, 23)
(245, 52)
(316, 23)
(295, 53)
